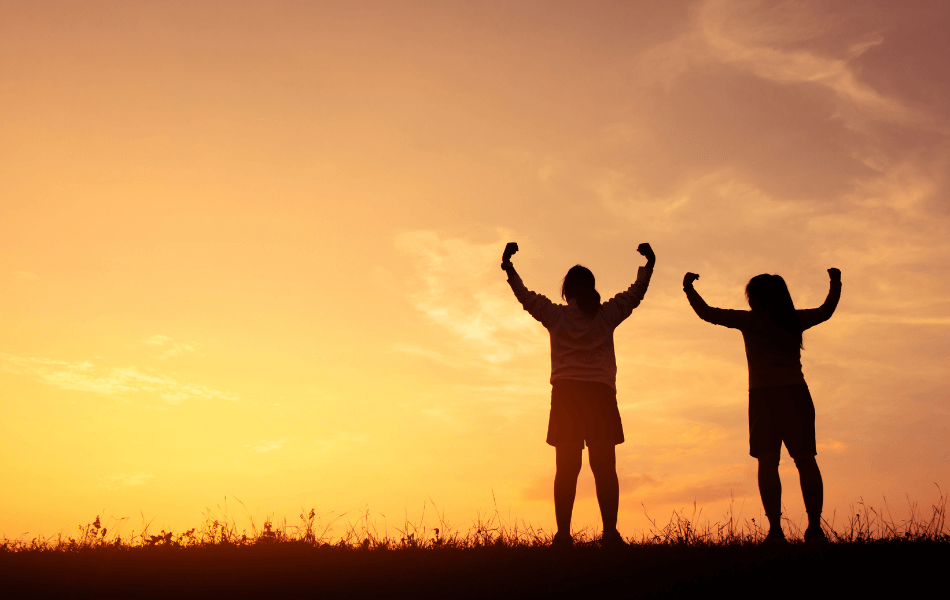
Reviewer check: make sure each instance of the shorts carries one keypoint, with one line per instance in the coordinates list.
(779, 414)
(583, 411)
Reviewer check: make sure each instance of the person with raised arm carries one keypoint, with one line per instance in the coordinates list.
(583, 385)
(780, 406)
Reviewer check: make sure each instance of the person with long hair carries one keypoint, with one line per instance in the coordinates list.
(583, 385)
(780, 406)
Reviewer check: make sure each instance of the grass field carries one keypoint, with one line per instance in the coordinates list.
(869, 553)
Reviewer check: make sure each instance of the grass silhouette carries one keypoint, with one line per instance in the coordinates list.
(870, 552)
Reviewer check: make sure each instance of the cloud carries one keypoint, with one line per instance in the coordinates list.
(267, 446)
(700, 202)
(749, 37)
(423, 352)
(701, 494)
(85, 376)
(832, 446)
(120, 480)
(886, 233)
(730, 35)
(171, 348)
(463, 291)
(721, 483)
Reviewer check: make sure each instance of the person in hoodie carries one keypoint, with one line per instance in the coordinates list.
(583, 385)
(780, 406)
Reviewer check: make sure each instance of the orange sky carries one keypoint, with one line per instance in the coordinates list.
(251, 249)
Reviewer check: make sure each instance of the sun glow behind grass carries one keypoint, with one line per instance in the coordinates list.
(350, 556)
(362, 531)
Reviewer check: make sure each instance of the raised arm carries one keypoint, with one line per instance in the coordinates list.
(620, 306)
(735, 319)
(813, 316)
(537, 305)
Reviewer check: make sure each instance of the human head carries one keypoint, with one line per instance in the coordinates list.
(579, 284)
(770, 293)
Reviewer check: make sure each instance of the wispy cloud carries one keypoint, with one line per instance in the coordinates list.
(833, 446)
(269, 445)
(121, 480)
(462, 290)
(730, 35)
(170, 348)
(423, 352)
(85, 376)
(720, 483)
(749, 36)
(884, 233)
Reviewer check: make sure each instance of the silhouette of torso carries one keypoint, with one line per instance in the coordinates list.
(772, 352)
(582, 346)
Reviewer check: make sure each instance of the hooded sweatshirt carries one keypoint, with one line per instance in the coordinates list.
(582, 346)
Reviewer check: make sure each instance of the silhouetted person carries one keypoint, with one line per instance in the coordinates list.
(583, 385)
(780, 406)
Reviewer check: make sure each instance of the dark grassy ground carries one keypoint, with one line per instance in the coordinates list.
(870, 556)
(869, 569)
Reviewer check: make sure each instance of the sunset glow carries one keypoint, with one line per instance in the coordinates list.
(251, 250)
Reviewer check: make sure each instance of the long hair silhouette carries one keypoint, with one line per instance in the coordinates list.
(781, 409)
(769, 293)
(579, 283)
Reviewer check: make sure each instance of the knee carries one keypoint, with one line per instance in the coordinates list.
(603, 468)
(769, 460)
(569, 465)
(569, 468)
(806, 463)
(603, 464)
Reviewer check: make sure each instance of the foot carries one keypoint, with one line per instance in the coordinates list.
(612, 539)
(775, 538)
(815, 536)
(562, 539)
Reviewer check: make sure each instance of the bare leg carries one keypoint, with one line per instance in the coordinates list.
(603, 463)
(813, 489)
(770, 488)
(565, 485)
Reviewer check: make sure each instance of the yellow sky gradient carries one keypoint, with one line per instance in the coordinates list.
(251, 249)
